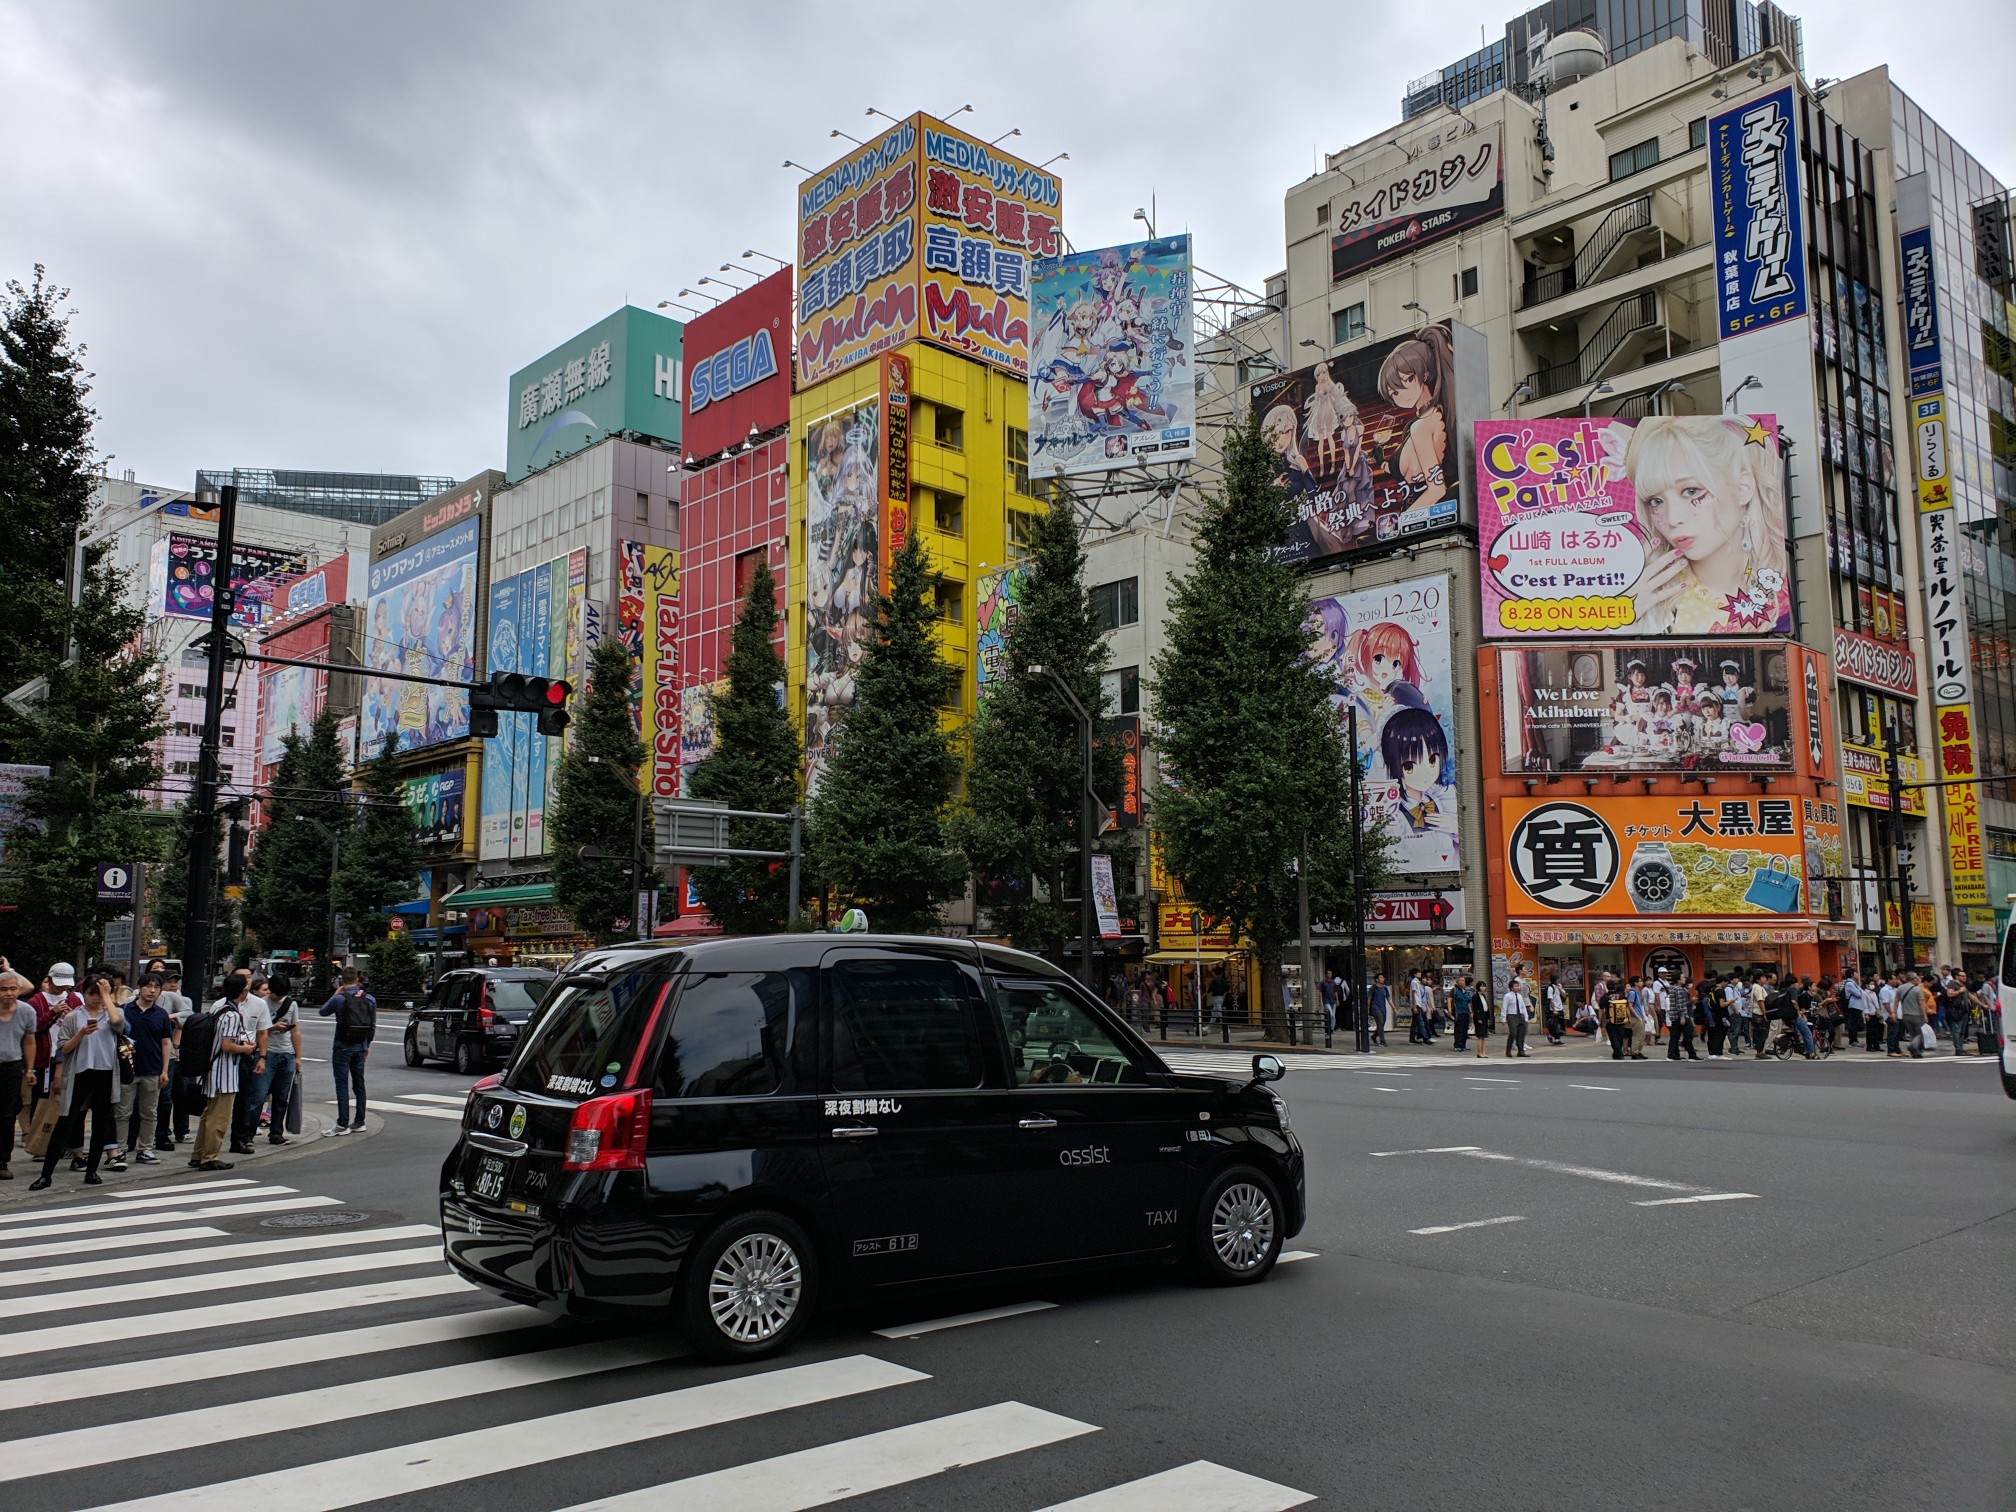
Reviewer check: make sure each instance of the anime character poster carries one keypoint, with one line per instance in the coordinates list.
(1670, 525)
(997, 605)
(189, 574)
(1386, 653)
(494, 834)
(1111, 379)
(289, 700)
(630, 619)
(1366, 445)
(843, 571)
(421, 621)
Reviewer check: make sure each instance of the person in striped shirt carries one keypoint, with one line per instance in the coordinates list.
(232, 1043)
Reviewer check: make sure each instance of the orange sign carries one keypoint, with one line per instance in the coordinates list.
(1965, 856)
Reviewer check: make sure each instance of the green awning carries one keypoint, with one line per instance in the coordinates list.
(498, 897)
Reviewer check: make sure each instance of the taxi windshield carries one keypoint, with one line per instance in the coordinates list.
(582, 1045)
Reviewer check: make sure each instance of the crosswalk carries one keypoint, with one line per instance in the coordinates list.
(1229, 1063)
(222, 1365)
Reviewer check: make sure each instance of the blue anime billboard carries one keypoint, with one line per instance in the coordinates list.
(421, 621)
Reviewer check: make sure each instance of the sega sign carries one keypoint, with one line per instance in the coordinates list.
(740, 380)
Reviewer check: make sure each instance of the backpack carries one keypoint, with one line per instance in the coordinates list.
(199, 1042)
(353, 1021)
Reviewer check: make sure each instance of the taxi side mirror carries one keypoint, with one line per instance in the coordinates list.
(1268, 1068)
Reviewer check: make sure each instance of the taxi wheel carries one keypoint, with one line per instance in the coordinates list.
(413, 1056)
(749, 1287)
(468, 1059)
(1236, 1235)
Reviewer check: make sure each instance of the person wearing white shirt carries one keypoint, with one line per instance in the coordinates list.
(1515, 1009)
(1421, 999)
(256, 1081)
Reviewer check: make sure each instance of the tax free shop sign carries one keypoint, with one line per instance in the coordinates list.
(623, 375)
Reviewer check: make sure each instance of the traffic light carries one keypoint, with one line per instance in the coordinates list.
(1439, 909)
(514, 693)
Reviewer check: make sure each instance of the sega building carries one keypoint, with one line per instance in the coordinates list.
(737, 444)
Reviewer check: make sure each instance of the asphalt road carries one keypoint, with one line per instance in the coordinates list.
(1515, 1296)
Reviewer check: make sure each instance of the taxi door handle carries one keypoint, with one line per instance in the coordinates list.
(859, 1131)
(1036, 1123)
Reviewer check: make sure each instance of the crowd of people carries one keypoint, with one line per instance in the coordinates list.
(154, 1072)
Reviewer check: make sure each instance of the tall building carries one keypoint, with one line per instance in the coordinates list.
(911, 409)
(361, 498)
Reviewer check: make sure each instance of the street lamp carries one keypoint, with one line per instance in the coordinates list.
(1085, 820)
(1524, 391)
(1729, 401)
(1670, 386)
(1601, 386)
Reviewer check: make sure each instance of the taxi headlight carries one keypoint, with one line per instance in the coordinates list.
(1281, 1111)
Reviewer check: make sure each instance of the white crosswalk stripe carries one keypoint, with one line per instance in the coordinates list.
(124, 1220)
(174, 1197)
(435, 1097)
(440, 1384)
(180, 1189)
(1230, 1063)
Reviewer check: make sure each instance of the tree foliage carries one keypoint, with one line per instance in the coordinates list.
(381, 857)
(879, 817)
(754, 766)
(287, 875)
(395, 968)
(168, 896)
(1254, 771)
(46, 460)
(1023, 811)
(595, 802)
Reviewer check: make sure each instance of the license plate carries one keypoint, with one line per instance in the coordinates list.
(491, 1175)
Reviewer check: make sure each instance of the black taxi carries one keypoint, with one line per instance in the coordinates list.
(474, 1016)
(732, 1129)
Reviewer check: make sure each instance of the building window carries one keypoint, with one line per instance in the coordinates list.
(228, 738)
(948, 512)
(1697, 132)
(643, 506)
(1253, 369)
(746, 563)
(1117, 604)
(1121, 688)
(1022, 529)
(1467, 284)
(1634, 159)
(1323, 214)
(955, 694)
(1018, 458)
(1347, 324)
(946, 597)
(948, 427)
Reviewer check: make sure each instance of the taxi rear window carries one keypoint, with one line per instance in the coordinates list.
(742, 1034)
(581, 1046)
(508, 995)
(903, 1025)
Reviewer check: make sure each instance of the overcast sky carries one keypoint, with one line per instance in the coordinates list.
(323, 235)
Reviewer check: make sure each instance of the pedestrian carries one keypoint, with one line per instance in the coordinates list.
(1461, 1001)
(1515, 1008)
(88, 1040)
(1853, 1009)
(254, 1079)
(55, 1000)
(1617, 1018)
(283, 1056)
(1381, 1007)
(220, 1060)
(356, 1015)
(1709, 1015)
(1961, 1003)
(149, 1030)
(1421, 1008)
(1679, 1025)
(1912, 1009)
(1327, 991)
(17, 1061)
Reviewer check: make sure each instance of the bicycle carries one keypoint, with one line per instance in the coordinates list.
(1784, 1042)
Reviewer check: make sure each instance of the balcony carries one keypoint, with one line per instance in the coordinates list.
(1640, 235)
(1630, 316)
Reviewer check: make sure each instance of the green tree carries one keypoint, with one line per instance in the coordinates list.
(168, 893)
(754, 766)
(381, 857)
(287, 874)
(95, 732)
(395, 970)
(595, 803)
(1252, 758)
(46, 461)
(879, 817)
(1023, 810)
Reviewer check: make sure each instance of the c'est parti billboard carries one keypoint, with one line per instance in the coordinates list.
(1672, 525)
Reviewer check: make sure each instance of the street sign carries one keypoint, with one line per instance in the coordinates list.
(115, 882)
(692, 831)
(234, 892)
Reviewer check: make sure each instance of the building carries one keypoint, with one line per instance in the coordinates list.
(584, 541)
(312, 620)
(360, 498)
(911, 404)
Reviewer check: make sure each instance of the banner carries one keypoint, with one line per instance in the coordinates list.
(1457, 183)
(289, 700)
(857, 256)
(1654, 707)
(986, 216)
(843, 571)
(661, 672)
(1865, 778)
(997, 604)
(435, 801)
(696, 722)
(895, 456)
(1366, 444)
(1672, 525)
(421, 613)
(188, 576)
(1127, 814)
(1105, 902)
(494, 836)
(1874, 663)
(537, 640)
(574, 644)
(1760, 256)
(1112, 379)
(518, 728)
(1386, 654)
(630, 620)
(738, 356)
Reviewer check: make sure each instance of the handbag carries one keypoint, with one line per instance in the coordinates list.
(1928, 1037)
(1773, 887)
(41, 1126)
(125, 1061)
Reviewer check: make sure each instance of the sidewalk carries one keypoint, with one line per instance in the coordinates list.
(68, 1187)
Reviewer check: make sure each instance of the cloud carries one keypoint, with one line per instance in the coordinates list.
(325, 236)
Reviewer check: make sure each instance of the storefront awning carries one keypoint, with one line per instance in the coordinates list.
(498, 897)
(1188, 957)
(410, 906)
(1700, 932)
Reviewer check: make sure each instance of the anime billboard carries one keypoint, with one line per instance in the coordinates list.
(1366, 444)
(1671, 525)
(1386, 653)
(1110, 375)
(421, 614)
(1651, 707)
(843, 519)
(188, 577)
(997, 604)
(289, 700)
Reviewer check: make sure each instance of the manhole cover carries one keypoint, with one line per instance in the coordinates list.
(313, 1220)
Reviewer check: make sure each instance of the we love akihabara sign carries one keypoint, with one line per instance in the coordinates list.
(1670, 525)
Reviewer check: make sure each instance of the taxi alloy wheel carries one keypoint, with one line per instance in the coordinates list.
(750, 1287)
(413, 1056)
(1238, 1229)
(468, 1059)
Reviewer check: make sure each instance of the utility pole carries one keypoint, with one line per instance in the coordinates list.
(1303, 962)
(203, 802)
(1086, 821)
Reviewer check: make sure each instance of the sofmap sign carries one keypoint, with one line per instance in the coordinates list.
(1875, 664)
(736, 379)
(624, 373)
(1760, 257)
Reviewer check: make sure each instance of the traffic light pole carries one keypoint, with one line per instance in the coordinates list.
(196, 929)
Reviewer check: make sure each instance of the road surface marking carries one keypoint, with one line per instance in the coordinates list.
(164, 1433)
(13, 1252)
(151, 1323)
(1361, 1071)
(187, 1186)
(1438, 1150)
(43, 1275)
(1510, 1081)
(405, 1470)
(854, 1467)
(1585, 1087)
(220, 1281)
(1392, 1089)
(960, 1320)
(245, 1359)
(1704, 1197)
(434, 1097)
(1199, 1486)
(1289, 1257)
(132, 1203)
(1450, 1228)
(234, 1209)
(1558, 1167)
(393, 1107)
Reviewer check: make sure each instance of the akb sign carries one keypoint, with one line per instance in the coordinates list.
(747, 363)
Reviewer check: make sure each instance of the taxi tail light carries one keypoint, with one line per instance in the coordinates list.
(488, 1084)
(609, 1133)
(484, 1011)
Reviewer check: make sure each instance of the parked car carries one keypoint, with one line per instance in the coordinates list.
(731, 1129)
(473, 1018)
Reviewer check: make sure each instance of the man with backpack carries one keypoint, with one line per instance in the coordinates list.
(213, 1043)
(356, 1015)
